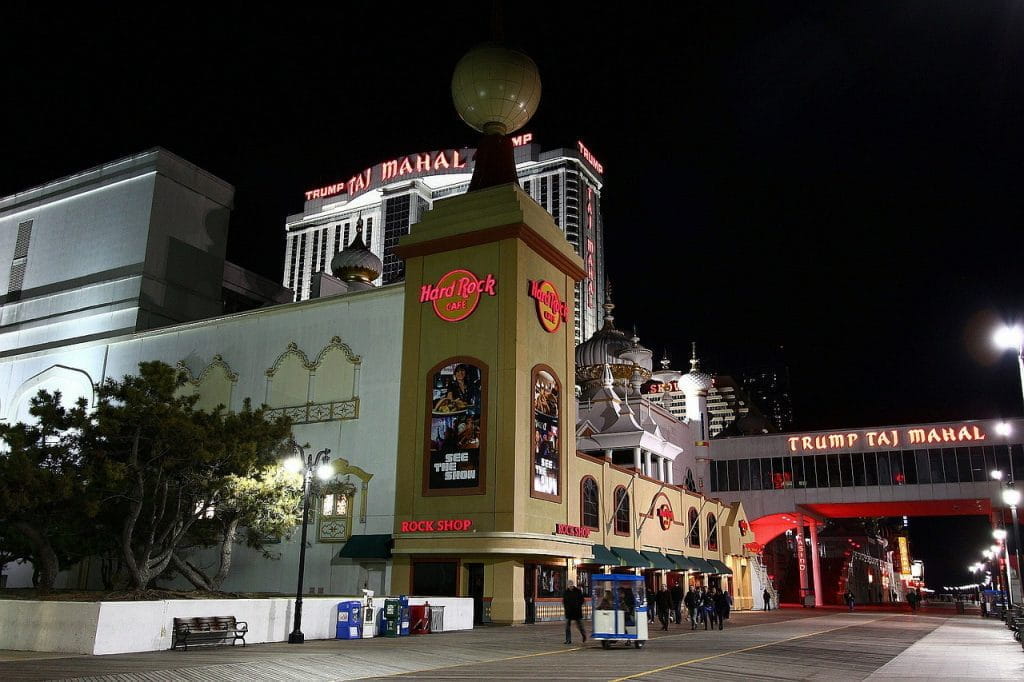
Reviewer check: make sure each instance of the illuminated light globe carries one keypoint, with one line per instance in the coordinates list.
(496, 90)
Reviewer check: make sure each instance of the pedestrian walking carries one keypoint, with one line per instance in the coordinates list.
(707, 607)
(663, 602)
(848, 598)
(572, 604)
(677, 602)
(767, 597)
(692, 601)
(721, 602)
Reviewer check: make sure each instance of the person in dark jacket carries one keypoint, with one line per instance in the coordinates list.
(663, 601)
(721, 600)
(692, 601)
(707, 607)
(572, 603)
(677, 602)
(767, 597)
(848, 598)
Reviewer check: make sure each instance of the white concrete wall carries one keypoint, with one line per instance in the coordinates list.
(124, 627)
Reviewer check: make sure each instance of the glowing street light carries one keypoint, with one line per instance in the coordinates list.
(307, 465)
(1012, 338)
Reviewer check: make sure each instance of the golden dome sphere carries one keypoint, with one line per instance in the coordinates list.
(496, 90)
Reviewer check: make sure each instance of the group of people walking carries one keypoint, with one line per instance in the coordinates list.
(706, 605)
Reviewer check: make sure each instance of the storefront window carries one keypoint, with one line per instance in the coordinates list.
(457, 433)
(435, 578)
(551, 581)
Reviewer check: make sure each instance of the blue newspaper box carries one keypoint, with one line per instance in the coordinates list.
(350, 620)
(403, 619)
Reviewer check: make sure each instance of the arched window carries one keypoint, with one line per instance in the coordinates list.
(690, 485)
(694, 524)
(589, 503)
(712, 532)
(621, 511)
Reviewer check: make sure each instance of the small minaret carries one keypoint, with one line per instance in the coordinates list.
(695, 385)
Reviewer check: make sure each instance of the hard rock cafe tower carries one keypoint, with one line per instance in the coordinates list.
(487, 416)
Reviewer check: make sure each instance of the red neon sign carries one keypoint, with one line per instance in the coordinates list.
(444, 161)
(574, 531)
(888, 438)
(440, 525)
(551, 309)
(457, 294)
(590, 158)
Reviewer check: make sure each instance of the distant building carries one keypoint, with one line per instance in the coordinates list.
(769, 388)
(394, 194)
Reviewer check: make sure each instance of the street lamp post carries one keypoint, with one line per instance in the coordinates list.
(1012, 338)
(308, 465)
(1011, 497)
(1000, 551)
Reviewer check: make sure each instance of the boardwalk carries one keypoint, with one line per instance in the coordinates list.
(788, 644)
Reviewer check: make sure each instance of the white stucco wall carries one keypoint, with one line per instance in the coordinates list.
(369, 322)
(125, 627)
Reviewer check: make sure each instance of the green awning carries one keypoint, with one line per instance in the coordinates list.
(702, 565)
(631, 558)
(659, 560)
(367, 547)
(604, 556)
(682, 563)
(720, 567)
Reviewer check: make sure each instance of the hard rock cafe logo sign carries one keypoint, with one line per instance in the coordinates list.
(551, 309)
(457, 294)
(665, 516)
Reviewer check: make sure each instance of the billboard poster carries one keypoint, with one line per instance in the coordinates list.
(547, 442)
(456, 432)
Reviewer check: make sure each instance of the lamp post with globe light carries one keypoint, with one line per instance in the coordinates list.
(1012, 338)
(307, 465)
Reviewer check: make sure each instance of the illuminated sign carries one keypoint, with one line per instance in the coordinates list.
(801, 557)
(551, 309)
(574, 531)
(438, 526)
(890, 438)
(457, 430)
(595, 164)
(547, 438)
(665, 516)
(904, 555)
(457, 294)
(754, 547)
(662, 387)
(591, 267)
(413, 165)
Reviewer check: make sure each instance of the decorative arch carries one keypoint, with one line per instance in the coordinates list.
(590, 503)
(693, 525)
(214, 386)
(73, 383)
(621, 513)
(334, 374)
(337, 499)
(325, 389)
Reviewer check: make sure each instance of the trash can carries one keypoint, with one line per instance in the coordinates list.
(419, 619)
(437, 619)
(390, 618)
(403, 616)
(350, 620)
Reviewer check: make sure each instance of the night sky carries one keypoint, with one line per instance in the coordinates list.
(839, 180)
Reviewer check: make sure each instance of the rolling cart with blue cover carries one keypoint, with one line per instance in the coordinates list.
(619, 609)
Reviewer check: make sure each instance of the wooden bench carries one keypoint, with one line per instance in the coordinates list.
(202, 631)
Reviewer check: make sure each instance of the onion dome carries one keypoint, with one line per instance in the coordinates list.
(356, 264)
(666, 374)
(637, 354)
(605, 345)
(496, 90)
(695, 382)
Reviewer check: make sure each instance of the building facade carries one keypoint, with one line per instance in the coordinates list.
(393, 195)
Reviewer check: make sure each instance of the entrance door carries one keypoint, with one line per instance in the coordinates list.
(476, 591)
(530, 591)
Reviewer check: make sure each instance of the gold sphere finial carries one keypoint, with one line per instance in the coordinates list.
(495, 89)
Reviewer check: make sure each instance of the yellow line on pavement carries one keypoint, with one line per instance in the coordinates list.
(491, 660)
(739, 651)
